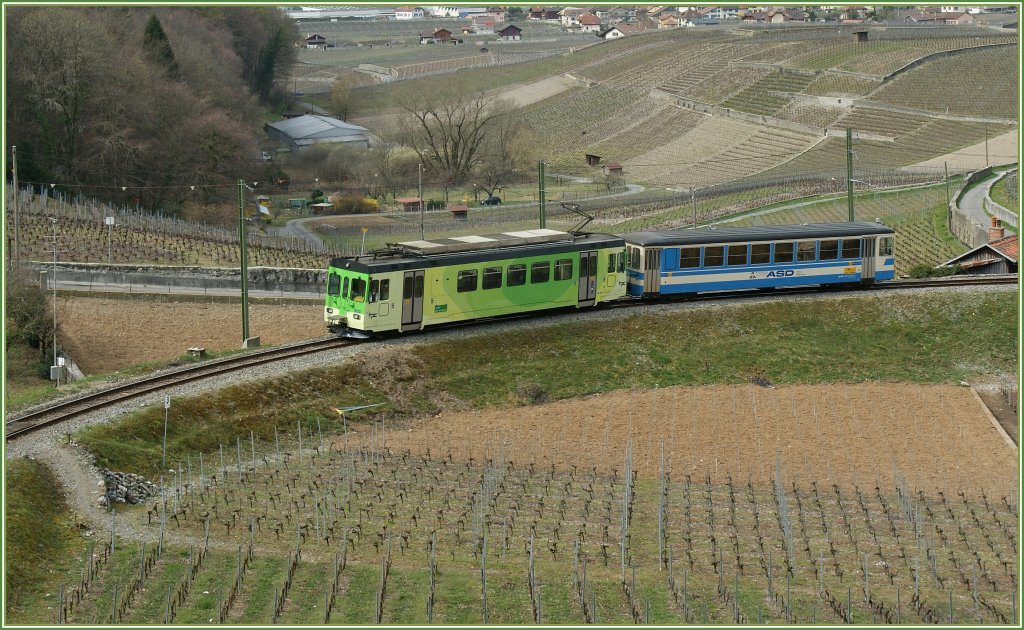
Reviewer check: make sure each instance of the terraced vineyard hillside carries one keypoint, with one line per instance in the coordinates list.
(763, 105)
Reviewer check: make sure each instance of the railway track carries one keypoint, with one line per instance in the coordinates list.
(69, 408)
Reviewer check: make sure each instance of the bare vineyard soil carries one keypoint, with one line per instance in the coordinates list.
(106, 335)
(937, 435)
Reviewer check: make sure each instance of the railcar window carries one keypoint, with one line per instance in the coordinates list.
(622, 262)
(593, 266)
(492, 278)
(784, 252)
(563, 269)
(805, 251)
(829, 250)
(516, 276)
(374, 287)
(418, 286)
(407, 289)
(885, 246)
(540, 272)
(385, 290)
(611, 263)
(760, 254)
(344, 289)
(466, 281)
(851, 248)
(358, 290)
(636, 258)
(737, 254)
(714, 256)
(689, 257)
(333, 284)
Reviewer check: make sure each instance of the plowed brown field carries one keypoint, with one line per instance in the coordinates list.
(936, 435)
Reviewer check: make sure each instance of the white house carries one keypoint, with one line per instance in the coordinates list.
(409, 13)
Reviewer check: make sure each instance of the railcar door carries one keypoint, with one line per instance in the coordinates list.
(867, 268)
(652, 271)
(588, 278)
(412, 300)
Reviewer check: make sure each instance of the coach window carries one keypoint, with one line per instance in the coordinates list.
(622, 262)
(466, 281)
(358, 290)
(714, 256)
(333, 284)
(540, 272)
(689, 257)
(784, 252)
(516, 276)
(829, 250)
(374, 288)
(805, 251)
(611, 263)
(492, 278)
(344, 289)
(563, 269)
(636, 258)
(760, 254)
(385, 290)
(885, 246)
(851, 248)
(738, 255)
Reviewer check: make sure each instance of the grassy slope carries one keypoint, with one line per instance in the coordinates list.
(42, 544)
(917, 338)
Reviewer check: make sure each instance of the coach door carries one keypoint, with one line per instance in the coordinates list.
(652, 270)
(867, 269)
(412, 300)
(588, 278)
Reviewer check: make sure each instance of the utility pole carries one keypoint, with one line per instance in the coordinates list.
(541, 193)
(849, 171)
(693, 202)
(14, 168)
(56, 368)
(419, 185)
(986, 144)
(242, 238)
(945, 166)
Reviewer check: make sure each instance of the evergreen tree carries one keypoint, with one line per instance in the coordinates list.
(158, 48)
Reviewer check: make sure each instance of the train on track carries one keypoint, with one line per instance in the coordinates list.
(418, 284)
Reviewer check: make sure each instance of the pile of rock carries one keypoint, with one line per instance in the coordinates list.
(127, 487)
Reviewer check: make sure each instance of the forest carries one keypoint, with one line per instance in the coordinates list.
(159, 107)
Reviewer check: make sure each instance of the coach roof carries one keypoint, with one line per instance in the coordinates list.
(754, 234)
(418, 254)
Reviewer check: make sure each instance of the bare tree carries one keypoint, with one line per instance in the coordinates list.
(511, 149)
(450, 133)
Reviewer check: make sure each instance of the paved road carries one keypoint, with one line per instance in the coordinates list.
(297, 228)
(972, 203)
(159, 289)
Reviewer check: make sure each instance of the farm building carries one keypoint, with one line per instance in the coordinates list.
(998, 255)
(308, 129)
(409, 204)
(316, 40)
(511, 33)
(435, 36)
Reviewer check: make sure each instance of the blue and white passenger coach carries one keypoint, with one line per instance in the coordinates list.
(728, 258)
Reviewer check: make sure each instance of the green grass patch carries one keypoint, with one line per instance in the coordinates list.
(356, 604)
(43, 548)
(1000, 196)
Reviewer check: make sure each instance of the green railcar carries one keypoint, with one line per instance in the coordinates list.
(412, 285)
